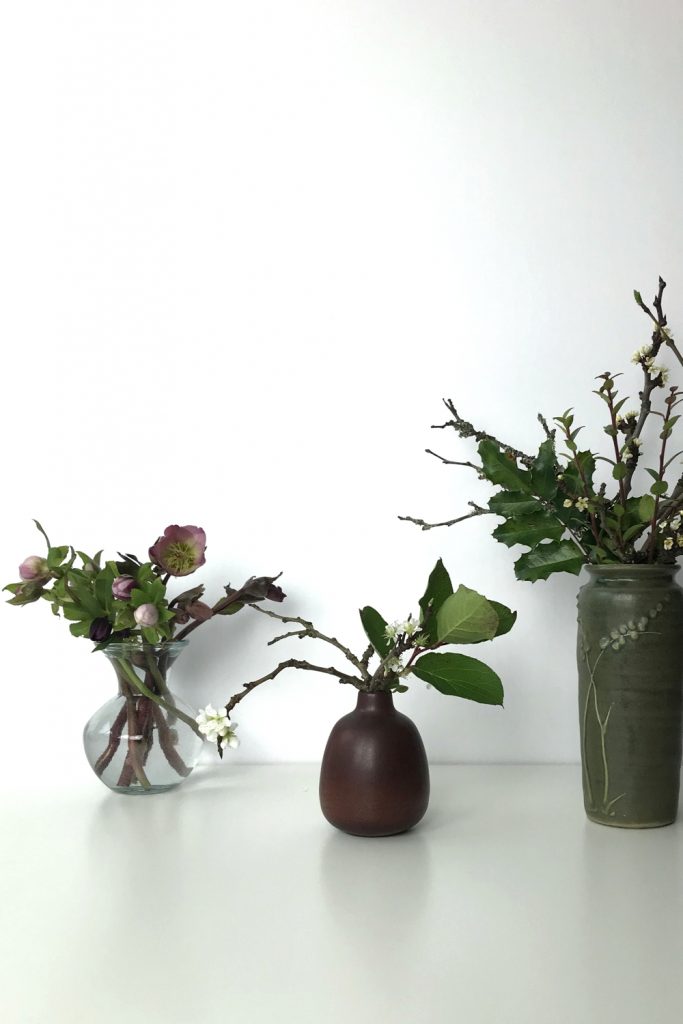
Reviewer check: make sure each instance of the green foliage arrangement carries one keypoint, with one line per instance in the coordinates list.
(550, 502)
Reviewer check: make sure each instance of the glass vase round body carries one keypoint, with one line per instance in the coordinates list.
(145, 740)
(630, 660)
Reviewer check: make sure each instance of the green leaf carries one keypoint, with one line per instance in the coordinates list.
(465, 618)
(556, 556)
(56, 556)
(572, 478)
(459, 676)
(80, 628)
(501, 468)
(633, 531)
(41, 530)
(646, 508)
(232, 608)
(543, 471)
(659, 487)
(529, 530)
(619, 471)
(506, 617)
(513, 503)
(374, 626)
(439, 587)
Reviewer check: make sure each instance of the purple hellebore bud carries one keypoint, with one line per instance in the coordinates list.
(34, 568)
(180, 551)
(146, 615)
(122, 586)
(100, 629)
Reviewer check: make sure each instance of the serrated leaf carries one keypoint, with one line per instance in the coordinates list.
(556, 556)
(572, 478)
(529, 530)
(500, 468)
(513, 503)
(543, 471)
(375, 626)
(465, 617)
(439, 587)
(457, 675)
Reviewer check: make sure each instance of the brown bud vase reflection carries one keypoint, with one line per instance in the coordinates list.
(374, 779)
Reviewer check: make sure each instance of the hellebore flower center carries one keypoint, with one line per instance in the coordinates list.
(180, 557)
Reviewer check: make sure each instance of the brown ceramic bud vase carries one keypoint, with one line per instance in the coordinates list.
(374, 779)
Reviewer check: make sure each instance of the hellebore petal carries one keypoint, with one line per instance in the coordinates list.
(122, 587)
(146, 615)
(199, 610)
(34, 568)
(180, 551)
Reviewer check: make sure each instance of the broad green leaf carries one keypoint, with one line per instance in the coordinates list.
(506, 617)
(619, 471)
(439, 587)
(374, 626)
(56, 556)
(465, 618)
(543, 478)
(659, 487)
(513, 503)
(529, 530)
(501, 468)
(646, 508)
(80, 628)
(633, 531)
(556, 556)
(459, 676)
(572, 478)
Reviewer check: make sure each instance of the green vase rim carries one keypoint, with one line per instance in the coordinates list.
(632, 571)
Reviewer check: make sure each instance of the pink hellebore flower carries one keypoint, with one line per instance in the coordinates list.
(146, 615)
(180, 551)
(34, 568)
(122, 586)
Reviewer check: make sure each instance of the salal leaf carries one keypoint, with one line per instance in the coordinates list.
(506, 617)
(460, 676)
(543, 479)
(375, 626)
(513, 503)
(502, 469)
(465, 617)
(439, 587)
(545, 559)
(529, 530)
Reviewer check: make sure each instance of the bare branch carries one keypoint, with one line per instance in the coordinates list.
(477, 511)
(452, 462)
(465, 429)
(550, 434)
(309, 630)
(290, 663)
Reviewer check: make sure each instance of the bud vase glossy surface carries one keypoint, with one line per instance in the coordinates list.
(374, 779)
(630, 659)
(144, 740)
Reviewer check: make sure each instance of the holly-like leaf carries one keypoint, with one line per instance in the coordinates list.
(375, 626)
(502, 469)
(439, 587)
(529, 530)
(465, 617)
(543, 471)
(545, 559)
(510, 504)
(574, 480)
(460, 676)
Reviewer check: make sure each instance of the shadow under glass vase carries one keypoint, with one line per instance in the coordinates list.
(145, 740)
(630, 660)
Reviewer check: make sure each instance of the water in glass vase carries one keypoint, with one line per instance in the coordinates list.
(145, 740)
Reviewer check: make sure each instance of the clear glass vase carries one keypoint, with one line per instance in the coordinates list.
(144, 740)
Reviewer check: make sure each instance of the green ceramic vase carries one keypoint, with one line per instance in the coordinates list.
(630, 659)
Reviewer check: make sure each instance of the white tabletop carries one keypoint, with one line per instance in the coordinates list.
(232, 900)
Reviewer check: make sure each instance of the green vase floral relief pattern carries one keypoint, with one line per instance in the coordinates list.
(630, 660)
(616, 642)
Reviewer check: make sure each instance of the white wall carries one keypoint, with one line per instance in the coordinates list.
(247, 248)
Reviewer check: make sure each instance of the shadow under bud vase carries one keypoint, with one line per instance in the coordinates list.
(145, 740)
(374, 779)
(630, 659)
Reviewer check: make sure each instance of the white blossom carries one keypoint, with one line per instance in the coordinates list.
(641, 353)
(637, 441)
(217, 727)
(394, 666)
(568, 503)
(582, 504)
(668, 543)
(675, 523)
(391, 631)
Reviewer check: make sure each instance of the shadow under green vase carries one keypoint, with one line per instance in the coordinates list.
(630, 661)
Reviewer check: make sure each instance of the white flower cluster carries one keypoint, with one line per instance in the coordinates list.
(671, 524)
(394, 666)
(641, 354)
(629, 449)
(217, 727)
(407, 628)
(655, 370)
(581, 504)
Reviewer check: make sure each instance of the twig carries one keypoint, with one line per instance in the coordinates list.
(465, 429)
(477, 511)
(309, 630)
(290, 663)
(452, 462)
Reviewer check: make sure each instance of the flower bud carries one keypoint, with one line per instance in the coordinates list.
(146, 615)
(34, 568)
(100, 629)
(122, 586)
